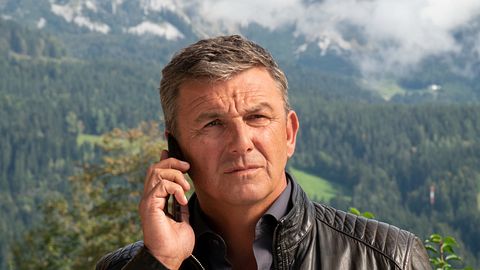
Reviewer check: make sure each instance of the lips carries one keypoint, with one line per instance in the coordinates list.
(237, 169)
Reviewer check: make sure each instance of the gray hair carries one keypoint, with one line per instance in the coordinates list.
(214, 59)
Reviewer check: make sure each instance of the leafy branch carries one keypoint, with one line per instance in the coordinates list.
(442, 255)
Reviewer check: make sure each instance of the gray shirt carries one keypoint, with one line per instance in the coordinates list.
(211, 249)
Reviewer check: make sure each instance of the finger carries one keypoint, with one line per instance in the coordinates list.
(157, 198)
(173, 163)
(171, 175)
(169, 163)
(163, 155)
(165, 188)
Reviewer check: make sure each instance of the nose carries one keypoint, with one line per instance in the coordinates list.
(240, 141)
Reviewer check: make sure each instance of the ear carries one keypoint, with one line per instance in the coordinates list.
(292, 130)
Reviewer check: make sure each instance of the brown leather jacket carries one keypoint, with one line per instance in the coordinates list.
(312, 236)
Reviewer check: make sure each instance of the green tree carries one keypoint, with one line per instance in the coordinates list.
(100, 212)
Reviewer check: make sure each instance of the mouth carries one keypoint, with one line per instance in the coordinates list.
(242, 169)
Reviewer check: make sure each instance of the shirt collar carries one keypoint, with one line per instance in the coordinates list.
(280, 207)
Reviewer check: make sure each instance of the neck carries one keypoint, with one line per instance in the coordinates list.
(231, 219)
(236, 224)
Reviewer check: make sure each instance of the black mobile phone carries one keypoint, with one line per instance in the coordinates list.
(175, 152)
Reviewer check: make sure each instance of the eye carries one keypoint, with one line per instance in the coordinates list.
(258, 119)
(257, 116)
(213, 123)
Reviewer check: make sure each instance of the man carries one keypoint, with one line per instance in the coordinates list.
(225, 103)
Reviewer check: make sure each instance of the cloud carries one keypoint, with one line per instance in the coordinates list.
(73, 13)
(164, 29)
(380, 36)
(268, 13)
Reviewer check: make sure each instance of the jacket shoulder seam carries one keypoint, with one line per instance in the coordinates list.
(321, 218)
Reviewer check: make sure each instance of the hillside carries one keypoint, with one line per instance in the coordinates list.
(317, 188)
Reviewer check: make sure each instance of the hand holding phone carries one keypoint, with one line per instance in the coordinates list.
(167, 238)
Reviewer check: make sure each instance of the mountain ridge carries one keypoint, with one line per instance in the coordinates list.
(151, 30)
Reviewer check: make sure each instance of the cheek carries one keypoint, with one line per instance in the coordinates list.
(202, 155)
(273, 144)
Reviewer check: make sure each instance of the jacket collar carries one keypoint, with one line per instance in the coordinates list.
(296, 225)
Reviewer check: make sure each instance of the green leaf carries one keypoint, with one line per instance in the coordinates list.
(450, 240)
(447, 248)
(368, 215)
(431, 248)
(446, 265)
(436, 238)
(354, 211)
(453, 257)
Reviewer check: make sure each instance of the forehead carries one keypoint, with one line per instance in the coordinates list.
(247, 88)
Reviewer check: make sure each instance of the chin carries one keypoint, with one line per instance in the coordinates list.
(247, 194)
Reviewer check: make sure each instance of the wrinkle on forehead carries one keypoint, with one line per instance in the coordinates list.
(238, 96)
(234, 102)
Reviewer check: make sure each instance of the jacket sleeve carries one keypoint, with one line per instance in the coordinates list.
(144, 260)
(419, 259)
(133, 256)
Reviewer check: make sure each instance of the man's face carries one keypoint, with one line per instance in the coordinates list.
(237, 137)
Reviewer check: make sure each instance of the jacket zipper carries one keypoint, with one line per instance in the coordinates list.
(277, 250)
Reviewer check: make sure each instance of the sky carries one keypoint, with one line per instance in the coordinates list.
(379, 35)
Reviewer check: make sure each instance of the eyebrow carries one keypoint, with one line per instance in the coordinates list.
(260, 107)
(216, 114)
